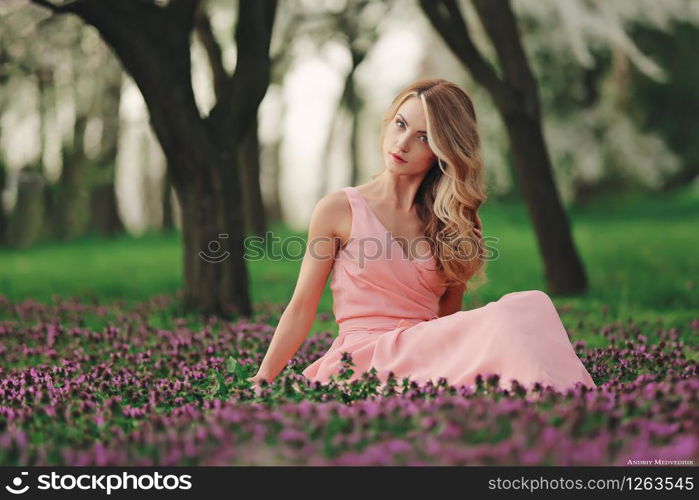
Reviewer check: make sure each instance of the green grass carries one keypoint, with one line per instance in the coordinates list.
(639, 252)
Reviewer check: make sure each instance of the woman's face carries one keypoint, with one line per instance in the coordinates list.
(406, 149)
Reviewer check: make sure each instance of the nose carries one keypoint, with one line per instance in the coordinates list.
(402, 143)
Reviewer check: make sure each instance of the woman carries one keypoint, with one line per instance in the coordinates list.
(402, 249)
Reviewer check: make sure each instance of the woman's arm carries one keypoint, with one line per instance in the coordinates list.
(451, 301)
(299, 316)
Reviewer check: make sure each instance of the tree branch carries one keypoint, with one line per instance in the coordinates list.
(447, 19)
(183, 12)
(501, 25)
(67, 7)
(254, 33)
(253, 36)
(202, 26)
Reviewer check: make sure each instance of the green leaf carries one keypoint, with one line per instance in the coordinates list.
(232, 364)
(241, 371)
(222, 389)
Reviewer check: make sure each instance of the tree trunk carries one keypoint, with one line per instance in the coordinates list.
(215, 275)
(562, 267)
(47, 104)
(516, 97)
(350, 102)
(168, 219)
(104, 211)
(353, 107)
(274, 202)
(153, 43)
(249, 150)
(27, 219)
(104, 216)
(3, 216)
(72, 194)
(324, 173)
(249, 160)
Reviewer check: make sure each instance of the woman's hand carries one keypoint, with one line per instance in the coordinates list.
(256, 383)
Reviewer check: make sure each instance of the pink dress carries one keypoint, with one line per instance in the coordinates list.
(386, 307)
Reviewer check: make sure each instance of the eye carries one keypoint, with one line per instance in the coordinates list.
(399, 123)
(424, 137)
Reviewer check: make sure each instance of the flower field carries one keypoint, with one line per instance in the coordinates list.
(121, 390)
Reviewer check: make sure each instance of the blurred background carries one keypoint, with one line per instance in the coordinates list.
(90, 208)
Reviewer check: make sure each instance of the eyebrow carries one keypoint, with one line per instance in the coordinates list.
(406, 122)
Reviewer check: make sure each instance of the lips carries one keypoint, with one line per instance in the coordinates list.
(398, 158)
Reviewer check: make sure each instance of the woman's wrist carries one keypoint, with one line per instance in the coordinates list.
(263, 376)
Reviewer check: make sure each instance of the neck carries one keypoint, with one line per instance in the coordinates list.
(398, 191)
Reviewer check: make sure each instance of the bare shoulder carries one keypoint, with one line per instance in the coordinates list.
(332, 216)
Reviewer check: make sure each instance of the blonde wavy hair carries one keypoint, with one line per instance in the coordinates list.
(454, 188)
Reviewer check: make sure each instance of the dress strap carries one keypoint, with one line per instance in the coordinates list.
(360, 205)
(363, 220)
